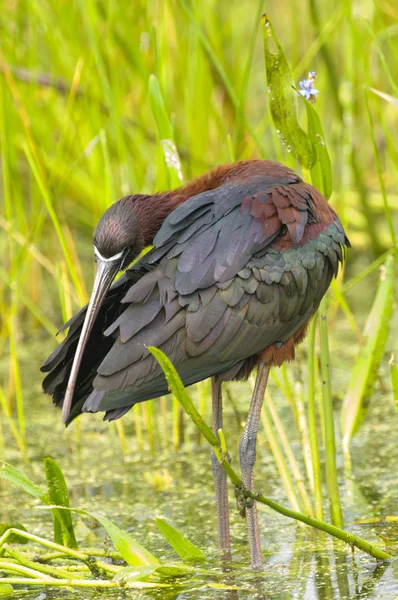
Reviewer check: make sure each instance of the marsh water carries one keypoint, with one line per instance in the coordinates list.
(156, 479)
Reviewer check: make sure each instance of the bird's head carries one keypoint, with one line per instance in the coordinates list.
(118, 239)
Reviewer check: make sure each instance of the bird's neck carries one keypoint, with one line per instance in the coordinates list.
(152, 210)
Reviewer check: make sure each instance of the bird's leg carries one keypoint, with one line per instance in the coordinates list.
(247, 458)
(219, 475)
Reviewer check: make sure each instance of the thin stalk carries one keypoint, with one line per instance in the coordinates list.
(181, 426)
(387, 211)
(43, 542)
(17, 568)
(147, 409)
(235, 101)
(55, 221)
(330, 444)
(27, 301)
(2, 443)
(21, 111)
(301, 422)
(28, 246)
(204, 390)
(138, 427)
(334, 92)
(299, 480)
(90, 551)
(109, 196)
(312, 424)
(64, 550)
(348, 285)
(14, 368)
(122, 437)
(303, 428)
(165, 421)
(82, 583)
(176, 424)
(336, 288)
(287, 391)
(20, 441)
(280, 461)
(31, 564)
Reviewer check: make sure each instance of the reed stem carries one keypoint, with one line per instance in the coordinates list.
(330, 443)
(312, 422)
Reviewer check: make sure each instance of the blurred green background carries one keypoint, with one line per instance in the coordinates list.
(81, 124)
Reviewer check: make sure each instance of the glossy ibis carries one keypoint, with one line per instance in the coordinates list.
(241, 259)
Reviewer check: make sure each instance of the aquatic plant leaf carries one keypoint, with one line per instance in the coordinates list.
(58, 494)
(16, 477)
(283, 98)
(179, 391)
(14, 538)
(321, 168)
(6, 590)
(366, 366)
(184, 548)
(133, 553)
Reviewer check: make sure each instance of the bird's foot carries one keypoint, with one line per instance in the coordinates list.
(243, 502)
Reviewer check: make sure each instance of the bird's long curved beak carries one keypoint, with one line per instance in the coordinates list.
(106, 272)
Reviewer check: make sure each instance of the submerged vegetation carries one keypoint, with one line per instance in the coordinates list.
(101, 100)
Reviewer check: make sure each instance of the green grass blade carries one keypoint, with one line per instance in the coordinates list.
(179, 391)
(283, 99)
(218, 67)
(16, 477)
(387, 210)
(58, 494)
(55, 221)
(16, 376)
(321, 168)
(280, 461)
(365, 370)
(351, 283)
(312, 421)
(383, 59)
(20, 441)
(165, 131)
(330, 441)
(184, 548)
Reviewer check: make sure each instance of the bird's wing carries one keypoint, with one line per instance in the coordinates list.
(215, 233)
(231, 275)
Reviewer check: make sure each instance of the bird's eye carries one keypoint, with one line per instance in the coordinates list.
(127, 258)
